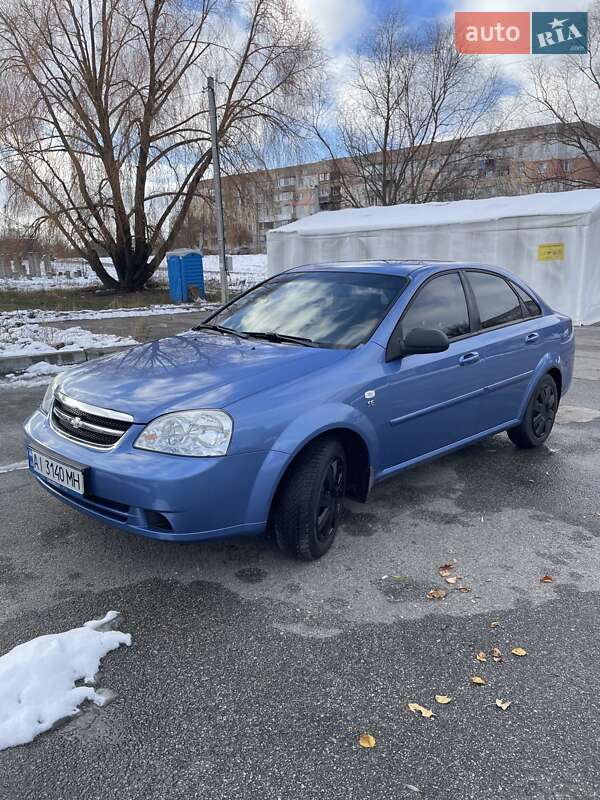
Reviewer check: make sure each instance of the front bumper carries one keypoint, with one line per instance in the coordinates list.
(173, 498)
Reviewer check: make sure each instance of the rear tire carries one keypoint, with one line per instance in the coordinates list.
(309, 503)
(539, 416)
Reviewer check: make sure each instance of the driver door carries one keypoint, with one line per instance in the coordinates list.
(429, 402)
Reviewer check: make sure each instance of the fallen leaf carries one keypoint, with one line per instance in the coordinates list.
(519, 651)
(446, 569)
(478, 681)
(436, 594)
(452, 580)
(494, 624)
(546, 579)
(496, 654)
(464, 588)
(443, 699)
(366, 740)
(503, 704)
(417, 709)
(481, 656)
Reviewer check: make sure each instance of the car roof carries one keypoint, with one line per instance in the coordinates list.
(383, 266)
(398, 267)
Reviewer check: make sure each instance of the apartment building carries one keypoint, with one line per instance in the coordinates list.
(512, 162)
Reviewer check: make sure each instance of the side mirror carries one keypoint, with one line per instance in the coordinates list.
(418, 341)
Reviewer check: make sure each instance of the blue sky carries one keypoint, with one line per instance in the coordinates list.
(341, 21)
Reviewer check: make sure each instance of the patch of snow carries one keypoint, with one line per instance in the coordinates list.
(38, 678)
(43, 368)
(16, 465)
(33, 376)
(22, 317)
(74, 273)
(246, 270)
(32, 339)
(20, 380)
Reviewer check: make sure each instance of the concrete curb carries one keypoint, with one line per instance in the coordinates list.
(10, 364)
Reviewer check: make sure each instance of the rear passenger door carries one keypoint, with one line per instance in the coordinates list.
(509, 342)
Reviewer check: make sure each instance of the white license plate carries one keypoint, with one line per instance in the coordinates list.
(57, 472)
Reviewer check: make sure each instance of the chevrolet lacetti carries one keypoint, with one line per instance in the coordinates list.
(314, 385)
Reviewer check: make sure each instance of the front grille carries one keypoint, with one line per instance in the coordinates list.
(87, 424)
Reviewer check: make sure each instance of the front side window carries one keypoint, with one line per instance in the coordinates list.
(497, 302)
(332, 309)
(439, 304)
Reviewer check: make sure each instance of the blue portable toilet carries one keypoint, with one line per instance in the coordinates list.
(184, 268)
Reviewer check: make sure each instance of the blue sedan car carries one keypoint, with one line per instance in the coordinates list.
(314, 385)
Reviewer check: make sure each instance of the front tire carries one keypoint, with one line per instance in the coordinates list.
(539, 416)
(310, 501)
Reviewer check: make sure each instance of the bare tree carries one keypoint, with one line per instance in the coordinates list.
(104, 131)
(567, 89)
(411, 101)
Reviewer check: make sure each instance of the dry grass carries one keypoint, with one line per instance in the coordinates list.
(77, 299)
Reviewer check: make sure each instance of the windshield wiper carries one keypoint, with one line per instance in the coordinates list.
(221, 329)
(272, 336)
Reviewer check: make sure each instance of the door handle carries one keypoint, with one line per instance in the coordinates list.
(468, 358)
(531, 337)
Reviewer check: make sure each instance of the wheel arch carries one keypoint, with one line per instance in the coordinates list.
(557, 376)
(549, 365)
(359, 463)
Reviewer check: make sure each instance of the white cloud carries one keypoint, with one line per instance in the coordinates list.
(336, 20)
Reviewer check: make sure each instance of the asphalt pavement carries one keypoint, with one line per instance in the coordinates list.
(252, 676)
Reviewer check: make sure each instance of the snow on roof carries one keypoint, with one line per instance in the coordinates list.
(577, 202)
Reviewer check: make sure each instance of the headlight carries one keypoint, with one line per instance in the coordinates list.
(188, 433)
(49, 396)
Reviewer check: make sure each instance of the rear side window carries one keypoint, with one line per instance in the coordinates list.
(530, 304)
(497, 302)
(439, 304)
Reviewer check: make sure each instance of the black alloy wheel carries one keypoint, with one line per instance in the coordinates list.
(539, 416)
(310, 501)
(329, 507)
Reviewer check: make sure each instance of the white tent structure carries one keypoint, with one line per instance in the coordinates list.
(551, 240)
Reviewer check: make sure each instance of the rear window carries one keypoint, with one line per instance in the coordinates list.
(533, 308)
(496, 301)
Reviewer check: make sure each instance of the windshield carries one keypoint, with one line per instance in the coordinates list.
(332, 309)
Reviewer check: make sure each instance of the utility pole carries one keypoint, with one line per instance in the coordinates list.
(212, 108)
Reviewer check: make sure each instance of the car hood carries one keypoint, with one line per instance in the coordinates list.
(193, 370)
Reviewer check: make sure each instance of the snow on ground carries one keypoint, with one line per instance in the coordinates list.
(47, 283)
(16, 465)
(246, 270)
(43, 368)
(47, 315)
(32, 339)
(74, 274)
(38, 374)
(38, 678)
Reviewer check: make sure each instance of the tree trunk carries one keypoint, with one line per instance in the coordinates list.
(132, 272)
